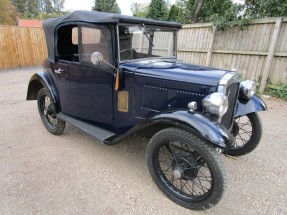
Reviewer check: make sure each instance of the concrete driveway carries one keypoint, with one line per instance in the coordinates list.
(74, 174)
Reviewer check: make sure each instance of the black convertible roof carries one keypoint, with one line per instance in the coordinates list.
(50, 25)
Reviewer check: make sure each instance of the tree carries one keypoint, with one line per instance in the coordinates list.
(158, 10)
(33, 9)
(7, 13)
(233, 16)
(193, 11)
(241, 14)
(58, 5)
(173, 13)
(139, 9)
(265, 8)
(106, 6)
(198, 10)
(47, 7)
(19, 5)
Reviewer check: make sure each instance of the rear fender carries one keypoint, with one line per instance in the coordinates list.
(246, 106)
(38, 81)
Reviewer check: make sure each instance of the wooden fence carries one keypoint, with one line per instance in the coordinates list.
(21, 46)
(259, 52)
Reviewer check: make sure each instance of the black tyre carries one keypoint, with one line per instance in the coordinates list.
(186, 169)
(247, 131)
(47, 111)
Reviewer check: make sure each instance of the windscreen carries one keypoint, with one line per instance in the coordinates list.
(140, 41)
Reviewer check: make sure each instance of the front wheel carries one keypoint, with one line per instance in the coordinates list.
(47, 111)
(247, 131)
(186, 169)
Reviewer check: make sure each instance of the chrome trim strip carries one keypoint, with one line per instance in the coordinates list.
(226, 80)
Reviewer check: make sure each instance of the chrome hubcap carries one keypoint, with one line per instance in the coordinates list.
(176, 174)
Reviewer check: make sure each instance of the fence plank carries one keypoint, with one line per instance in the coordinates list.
(209, 51)
(271, 52)
(21, 46)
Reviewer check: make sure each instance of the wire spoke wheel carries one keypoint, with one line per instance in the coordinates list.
(47, 111)
(186, 169)
(247, 131)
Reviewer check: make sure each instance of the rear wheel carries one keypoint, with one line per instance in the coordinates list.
(247, 131)
(186, 169)
(47, 111)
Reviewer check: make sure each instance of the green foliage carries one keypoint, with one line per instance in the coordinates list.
(158, 10)
(7, 13)
(106, 6)
(53, 15)
(229, 18)
(173, 13)
(31, 9)
(19, 5)
(35, 9)
(279, 92)
(266, 8)
(225, 14)
(190, 11)
(58, 6)
(139, 10)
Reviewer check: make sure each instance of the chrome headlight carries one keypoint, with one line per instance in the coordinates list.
(215, 103)
(247, 88)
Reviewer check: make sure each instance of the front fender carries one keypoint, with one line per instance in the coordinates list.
(197, 123)
(38, 81)
(246, 106)
(194, 122)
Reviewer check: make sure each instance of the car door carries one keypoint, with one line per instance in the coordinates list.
(86, 90)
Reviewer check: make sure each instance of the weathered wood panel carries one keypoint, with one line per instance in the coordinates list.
(21, 46)
(282, 41)
(246, 50)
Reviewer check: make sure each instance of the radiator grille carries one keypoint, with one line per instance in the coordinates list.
(232, 93)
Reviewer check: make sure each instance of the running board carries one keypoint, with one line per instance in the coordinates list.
(96, 132)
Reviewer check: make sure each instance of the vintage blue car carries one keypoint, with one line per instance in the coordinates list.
(114, 76)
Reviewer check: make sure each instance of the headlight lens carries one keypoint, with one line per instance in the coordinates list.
(247, 88)
(215, 103)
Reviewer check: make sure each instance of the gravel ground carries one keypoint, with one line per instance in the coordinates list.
(74, 174)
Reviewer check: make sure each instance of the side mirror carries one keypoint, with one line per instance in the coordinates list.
(97, 58)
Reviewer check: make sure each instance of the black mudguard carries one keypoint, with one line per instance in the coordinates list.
(246, 106)
(194, 122)
(39, 80)
(199, 124)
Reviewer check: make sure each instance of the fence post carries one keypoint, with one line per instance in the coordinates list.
(209, 51)
(141, 42)
(272, 48)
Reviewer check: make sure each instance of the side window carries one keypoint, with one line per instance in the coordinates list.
(67, 43)
(95, 39)
(75, 35)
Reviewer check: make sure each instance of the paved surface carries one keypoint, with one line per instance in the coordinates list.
(74, 174)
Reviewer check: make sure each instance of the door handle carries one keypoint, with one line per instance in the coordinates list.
(59, 71)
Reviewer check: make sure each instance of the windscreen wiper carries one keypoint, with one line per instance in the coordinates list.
(142, 25)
